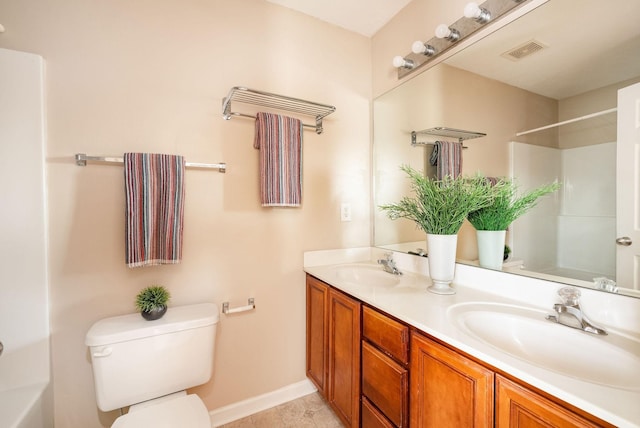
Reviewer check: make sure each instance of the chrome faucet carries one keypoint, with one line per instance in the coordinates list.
(389, 265)
(570, 314)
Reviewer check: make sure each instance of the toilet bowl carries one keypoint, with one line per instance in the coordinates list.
(148, 365)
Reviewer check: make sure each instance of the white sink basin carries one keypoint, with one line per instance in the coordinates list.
(612, 360)
(365, 274)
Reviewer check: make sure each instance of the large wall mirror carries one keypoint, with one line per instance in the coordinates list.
(561, 64)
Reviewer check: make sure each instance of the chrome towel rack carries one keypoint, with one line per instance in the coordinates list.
(460, 134)
(279, 102)
(82, 159)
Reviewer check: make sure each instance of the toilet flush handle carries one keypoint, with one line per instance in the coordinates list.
(104, 352)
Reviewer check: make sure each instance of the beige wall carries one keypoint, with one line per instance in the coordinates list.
(150, 76)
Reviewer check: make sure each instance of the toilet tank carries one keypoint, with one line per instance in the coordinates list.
(135, 360)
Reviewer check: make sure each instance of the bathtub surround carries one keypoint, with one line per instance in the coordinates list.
(25, 390)
(154, 193)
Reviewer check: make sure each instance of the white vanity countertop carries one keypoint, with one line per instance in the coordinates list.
(410, 302)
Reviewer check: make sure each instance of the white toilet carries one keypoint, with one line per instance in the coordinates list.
(148, 365)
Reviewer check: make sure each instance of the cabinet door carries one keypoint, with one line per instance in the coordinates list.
(317, 333)
(517, 406)
(344, 357)
(448, 389)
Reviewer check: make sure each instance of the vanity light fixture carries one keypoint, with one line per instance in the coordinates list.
(419, 47)
(400, 62)
(479, 18)
(480, 14)
(443, 31)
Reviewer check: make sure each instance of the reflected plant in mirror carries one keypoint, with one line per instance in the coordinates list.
(491, 222)
(440, 206)
(507, 205)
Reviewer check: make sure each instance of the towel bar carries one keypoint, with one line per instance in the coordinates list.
(249, 307)
(81, 160)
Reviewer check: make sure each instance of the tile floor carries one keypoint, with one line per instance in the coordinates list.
(309, 411)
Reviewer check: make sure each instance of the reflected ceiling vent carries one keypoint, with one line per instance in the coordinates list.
(524, 50)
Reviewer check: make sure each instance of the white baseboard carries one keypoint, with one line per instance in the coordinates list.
(247, 407)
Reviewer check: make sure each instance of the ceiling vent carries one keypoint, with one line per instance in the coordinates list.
(524, 50)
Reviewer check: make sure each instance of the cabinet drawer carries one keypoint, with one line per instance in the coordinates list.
(372, 418)
(390, 335)
(385, 384)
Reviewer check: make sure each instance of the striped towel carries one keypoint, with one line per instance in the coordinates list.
(279, 139)
(447, 156)
(154, 192)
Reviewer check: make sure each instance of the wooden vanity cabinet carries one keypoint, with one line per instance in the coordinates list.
(520, 407)
(385, 371)
(333, 348)
(447, 388)
(353, 349)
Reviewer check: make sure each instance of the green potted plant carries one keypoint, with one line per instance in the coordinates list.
(491, 222)
(152, 302)
(439, 208)
(507, 252)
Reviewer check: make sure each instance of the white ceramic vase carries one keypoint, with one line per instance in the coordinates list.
(491, 248)
(442, 262)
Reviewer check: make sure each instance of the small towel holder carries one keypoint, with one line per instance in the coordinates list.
(243, 95)
(248, 307)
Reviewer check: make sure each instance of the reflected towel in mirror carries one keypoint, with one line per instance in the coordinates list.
(447, 157)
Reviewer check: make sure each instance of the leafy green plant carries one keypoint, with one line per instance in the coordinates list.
(153, 297)
(440, 206)
(507, 206)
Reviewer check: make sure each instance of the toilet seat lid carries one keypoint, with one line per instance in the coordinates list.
(184, 411)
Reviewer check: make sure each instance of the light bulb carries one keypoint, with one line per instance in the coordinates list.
(472, 10)
(400, 62)
(422, 48)
(444, 32)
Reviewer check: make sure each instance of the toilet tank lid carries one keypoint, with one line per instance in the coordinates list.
(132, 326)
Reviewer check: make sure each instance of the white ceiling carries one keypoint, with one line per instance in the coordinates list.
(364, 17)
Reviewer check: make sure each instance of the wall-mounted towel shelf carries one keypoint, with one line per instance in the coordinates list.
(82, 159)
(459, 134)
(275, 101)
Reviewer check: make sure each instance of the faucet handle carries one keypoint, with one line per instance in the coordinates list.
(569, 295)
